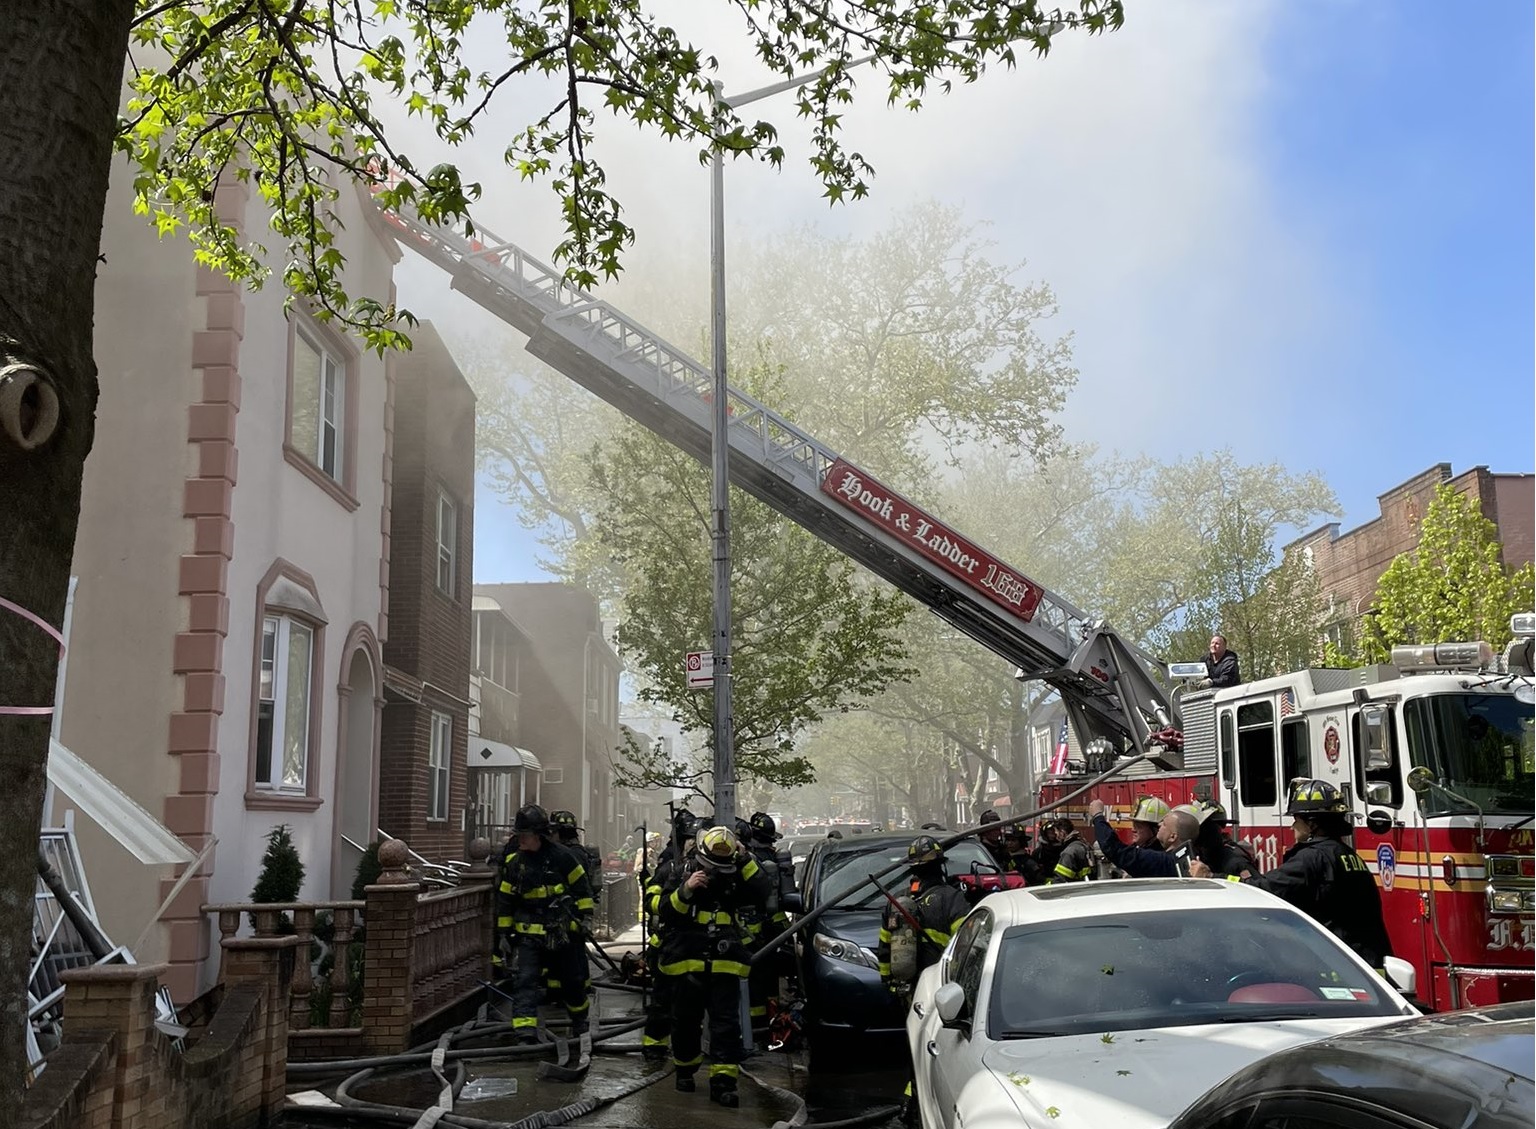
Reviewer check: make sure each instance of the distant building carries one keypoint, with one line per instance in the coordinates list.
(1349, 565)
(503, 774)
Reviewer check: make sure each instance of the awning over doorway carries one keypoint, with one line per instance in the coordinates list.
(485, 753)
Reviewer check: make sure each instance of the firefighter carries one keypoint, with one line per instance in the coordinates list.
(1146, 817)
(1322, 876)
(656, 1037)
(704, 949)
(1224, 856)
(1168, 856)
(759, 835)
(568, 835)
(913, 936)
(993, 842)
(1075, 862)
(543, 905)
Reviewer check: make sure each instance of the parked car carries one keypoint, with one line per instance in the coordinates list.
(1462, 1070)
(838, 972)
(1111, 1003)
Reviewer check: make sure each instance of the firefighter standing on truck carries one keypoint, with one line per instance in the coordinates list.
(1323, 876)
(913, 932)
(543, 904)
(704, 950)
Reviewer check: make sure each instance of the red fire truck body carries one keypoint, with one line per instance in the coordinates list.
(1453, 859)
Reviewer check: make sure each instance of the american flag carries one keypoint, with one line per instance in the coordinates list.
(1287, 702)
(1059, 761)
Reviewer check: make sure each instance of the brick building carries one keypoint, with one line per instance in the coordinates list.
(568, 692)
(425, 732)
(1349, 565)
(503, 774)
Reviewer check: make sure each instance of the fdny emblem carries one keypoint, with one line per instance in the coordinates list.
(1331, 744)
(1386, 862)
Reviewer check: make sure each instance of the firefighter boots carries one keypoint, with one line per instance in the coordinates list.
(723, 1090)
(686, 1084)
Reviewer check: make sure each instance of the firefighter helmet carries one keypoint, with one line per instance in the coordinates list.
(1314, 797)
(563, 820)
(717, 849)
(1149, 809)
(990, 816)
(923, 850)
(763, 827)
(531, 818)
(1213, 813)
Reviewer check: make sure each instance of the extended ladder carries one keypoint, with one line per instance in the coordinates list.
(1110, 688)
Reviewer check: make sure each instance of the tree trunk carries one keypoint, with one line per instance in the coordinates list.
(61, 67)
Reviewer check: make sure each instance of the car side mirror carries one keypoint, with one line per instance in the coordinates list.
(1402, 975)
(1420, 779)
(792, 903)
(1378, 822)
(949, 1002)
(1378, 792)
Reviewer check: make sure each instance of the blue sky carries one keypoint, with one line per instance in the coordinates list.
(1299, 228)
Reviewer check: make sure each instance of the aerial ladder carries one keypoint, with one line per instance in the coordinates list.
(1111, 689)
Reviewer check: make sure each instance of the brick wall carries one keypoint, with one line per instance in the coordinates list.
(1349, 565)
(430, 630)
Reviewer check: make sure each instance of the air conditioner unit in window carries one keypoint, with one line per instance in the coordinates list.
(554, 776)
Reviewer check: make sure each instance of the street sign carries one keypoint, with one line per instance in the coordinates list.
(699, 666)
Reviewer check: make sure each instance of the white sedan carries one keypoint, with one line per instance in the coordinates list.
(1114, 1005)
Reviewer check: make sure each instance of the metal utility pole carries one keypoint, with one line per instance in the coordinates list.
(720, 444)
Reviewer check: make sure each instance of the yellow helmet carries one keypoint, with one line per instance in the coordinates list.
(1149, 809)
(717, 849)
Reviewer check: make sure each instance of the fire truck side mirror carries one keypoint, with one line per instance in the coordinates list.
(1376, 722)
(1378, 822)
(1420, 779)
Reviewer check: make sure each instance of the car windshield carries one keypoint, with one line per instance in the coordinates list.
(841, 869)
(1480, 745)
(1174, 968)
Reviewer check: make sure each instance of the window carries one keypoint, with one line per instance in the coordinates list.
(1256, 754)
(283, 704)
(438, 755)
(317, 406)
(1228, 766)
(1295, 749)
(969, 957)
(447, 541)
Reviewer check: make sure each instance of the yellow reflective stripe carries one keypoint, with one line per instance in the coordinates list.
(678, 903)
(525, 1021)
(585, 903)
(731, 968)
(759, 1010)
(750, 869)
(577, 1009)
(678, 968)
(937, 937)
(953, 925)
(724, 1070)
(885, 935)
(528, 927)
(579, 872)
(651, 1041)
(552, 982)
(694, 1061)
(504, 922)
(885, 968)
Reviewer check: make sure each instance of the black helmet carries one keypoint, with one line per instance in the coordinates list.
(531, 818)
(743, 830)
(990, 816)
(685, 823)
(1314, 797)
(763, 828)
(563, 820)
(923, 850)
(716, 850)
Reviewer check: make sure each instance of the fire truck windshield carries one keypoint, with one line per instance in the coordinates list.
(1480, 745)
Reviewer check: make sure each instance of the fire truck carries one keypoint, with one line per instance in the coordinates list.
(1453, 850)
(1434, 754)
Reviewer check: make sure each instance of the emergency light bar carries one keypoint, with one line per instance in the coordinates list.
(1443, 656)
(1186, 670)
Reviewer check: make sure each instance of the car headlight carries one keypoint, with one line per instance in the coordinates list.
(838, 949)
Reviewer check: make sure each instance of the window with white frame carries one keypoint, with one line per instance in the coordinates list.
(319, 399)
(437, 766)
(447, 540)
(283, 704)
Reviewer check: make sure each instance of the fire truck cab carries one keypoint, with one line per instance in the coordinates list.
(1435, 756)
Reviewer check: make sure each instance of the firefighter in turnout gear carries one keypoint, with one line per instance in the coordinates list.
(914, 931)
(704, 950)
(1323, 876)
(1170, 855)
(1224, 856)
(759, 834)
(1145, 817)
(568, 835)
(543, 904)
(1075, 862)
(666, 875)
